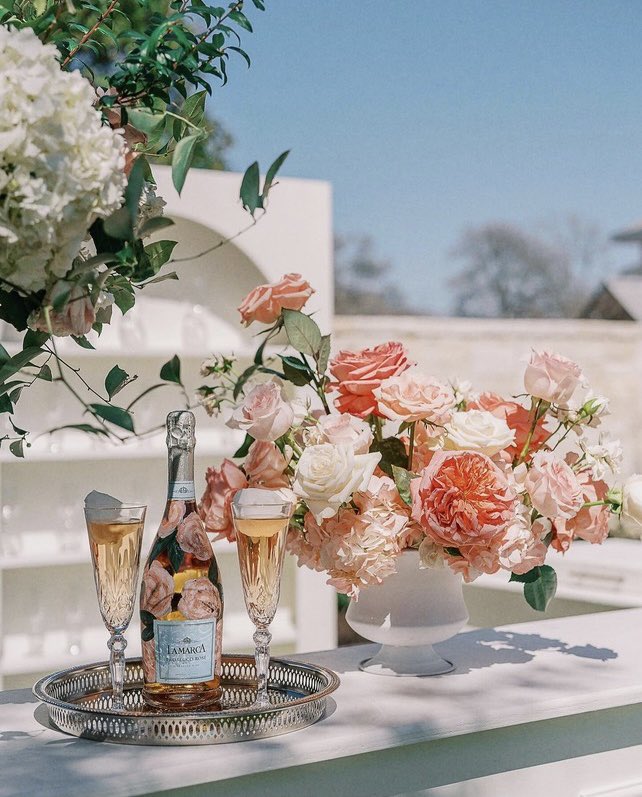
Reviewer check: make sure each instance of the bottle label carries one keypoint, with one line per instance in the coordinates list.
(184, 651)
(181, 491)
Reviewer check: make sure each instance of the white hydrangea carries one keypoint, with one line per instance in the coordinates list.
(60, 167)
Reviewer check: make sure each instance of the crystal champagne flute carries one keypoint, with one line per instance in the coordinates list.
(261, 520)
(115, 537)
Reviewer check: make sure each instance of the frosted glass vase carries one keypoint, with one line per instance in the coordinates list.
(407, 614)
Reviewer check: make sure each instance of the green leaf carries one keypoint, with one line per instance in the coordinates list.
(175, 555)
(324, 354)
(154, 225)
(303, 333)
(116, 380)
(84, 427)
(296, 371)
(241, 20)
(7, 387)
(82, 341)
(146, 121)
(147, 633)
(452, 551)
(182, 159)
(160, 545)
(250, 191)
(525, 578)
(18, 361)
(171, 370)
(244, 447)
(540, 593)
(34, 339)
(5, 404)
(45, 373)
(172, 275)
(272, 172)
(17, 448)
(402, 479)
(393, 452)
(240, 382)
(115, 415)
(159, 253)
(213, 574)
(146, 618)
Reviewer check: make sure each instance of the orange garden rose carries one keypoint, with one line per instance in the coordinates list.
(266, 302)
(357, 374)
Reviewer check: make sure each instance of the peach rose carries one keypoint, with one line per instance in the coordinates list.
(552, 377)
(265, 466)
(174, 515)
(192, 538)
(553, 487)
(266, 302)
(264, 414)
(358, 374)
(344, 430)
(517, 417)
(215, 507)
(199, 599)
(591, 523)
(521, 548)
(462, 499)
(158, 590)
(412, 396)
(76, 318)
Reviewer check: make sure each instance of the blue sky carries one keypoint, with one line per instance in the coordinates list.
(431, 116)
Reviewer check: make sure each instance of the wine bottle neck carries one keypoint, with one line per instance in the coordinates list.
(180, 474)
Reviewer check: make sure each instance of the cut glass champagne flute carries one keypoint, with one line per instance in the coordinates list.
(115, 537)
(261, 520)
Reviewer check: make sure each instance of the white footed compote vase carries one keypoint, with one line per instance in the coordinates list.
(407, 614)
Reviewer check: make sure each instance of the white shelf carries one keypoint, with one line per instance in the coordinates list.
(75, 447)
(20, 657)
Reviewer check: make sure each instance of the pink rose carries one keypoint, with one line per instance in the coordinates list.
(158, 590)
(215, 508)
(76, 318)
(264, 413)
(521, 548)
(518, 418)
(359, 373)
(308, 546)
(265, 466)
(591, 523)
(199, 599)
(192, 538)
(345, 430)
(266, 302)
(553, 487)
(552, 377)
(171, 520)
(412, 396)
(462, 499)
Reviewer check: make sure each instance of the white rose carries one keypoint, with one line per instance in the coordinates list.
(345, 429)
(631, 517)
(478, 430)
(327, 475)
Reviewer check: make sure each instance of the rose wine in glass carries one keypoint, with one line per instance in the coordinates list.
(181, 600)
(261, 520)
(115, 537)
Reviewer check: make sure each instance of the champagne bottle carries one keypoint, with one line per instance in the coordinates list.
(181, 602)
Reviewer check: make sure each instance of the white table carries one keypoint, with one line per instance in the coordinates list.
(549, 709)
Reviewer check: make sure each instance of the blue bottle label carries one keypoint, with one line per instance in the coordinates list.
(181, 491)
(184, 651)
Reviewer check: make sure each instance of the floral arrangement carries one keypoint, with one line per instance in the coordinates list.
(474, 481)
(78, 202)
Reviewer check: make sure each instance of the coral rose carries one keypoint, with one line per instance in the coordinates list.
(553, 487)
(412, 396)
(462, 499)
(358, 374)
(215, 508)
(174, 515)
(199, 599)
(192, 538)
(478, 430)
(552, 377)
(344, 429)
(518, 418)
(265, 466)
(266, 302)
(158, 590)
(263, 414)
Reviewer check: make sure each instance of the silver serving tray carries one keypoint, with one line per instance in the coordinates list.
(79, 703)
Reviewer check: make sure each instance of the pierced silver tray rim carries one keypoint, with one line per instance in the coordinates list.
(39, 691)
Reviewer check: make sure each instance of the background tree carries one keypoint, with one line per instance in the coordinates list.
(509, 272)
(362, 280)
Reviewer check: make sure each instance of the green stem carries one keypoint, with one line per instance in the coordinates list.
(378, 427)
(531, 431)
(411, 445)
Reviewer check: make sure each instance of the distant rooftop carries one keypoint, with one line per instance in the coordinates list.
(618, 299)
(633, 233)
